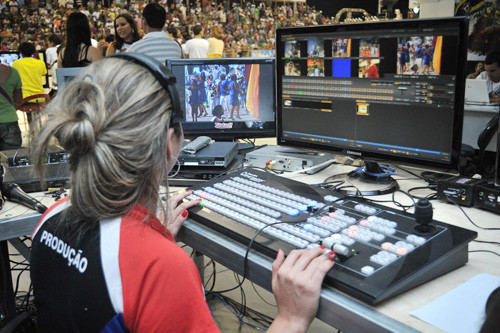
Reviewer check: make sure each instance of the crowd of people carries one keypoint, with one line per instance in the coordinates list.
(241, 28)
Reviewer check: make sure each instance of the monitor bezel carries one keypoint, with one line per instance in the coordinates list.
(63, 72)
(449, 166)
(230, 134)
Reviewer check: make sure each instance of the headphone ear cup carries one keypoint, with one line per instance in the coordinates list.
(165, 77)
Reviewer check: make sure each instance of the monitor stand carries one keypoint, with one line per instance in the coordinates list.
(433, 178)
(370, 180)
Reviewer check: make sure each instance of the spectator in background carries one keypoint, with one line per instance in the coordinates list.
(492, 75)
(11, 94)
(371, 70)
(174, 34)
(51, 58)
(31, 71)
(78, 51)
(477, 71)
(197, 47)
(216, 43)
(156, 43)
(126, 33)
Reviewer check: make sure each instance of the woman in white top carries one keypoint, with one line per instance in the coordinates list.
(126, 33)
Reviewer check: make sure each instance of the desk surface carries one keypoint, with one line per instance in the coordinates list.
(339, 310)
(17, 220)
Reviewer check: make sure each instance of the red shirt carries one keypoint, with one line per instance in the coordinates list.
(130, 273)
(372, 71)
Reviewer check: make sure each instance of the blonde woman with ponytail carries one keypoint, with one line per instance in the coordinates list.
(105, 258)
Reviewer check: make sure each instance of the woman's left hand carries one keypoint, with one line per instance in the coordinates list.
(178, 213)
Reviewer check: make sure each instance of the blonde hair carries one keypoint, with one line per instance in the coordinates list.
(218, 32)
(113, 121)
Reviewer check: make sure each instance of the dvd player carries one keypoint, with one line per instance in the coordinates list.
(216, 154)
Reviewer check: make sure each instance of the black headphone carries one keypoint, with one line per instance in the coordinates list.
(165, 77)
(2, 173)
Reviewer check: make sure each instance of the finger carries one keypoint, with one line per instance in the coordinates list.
(319, 266)
(303, 259)
(176, 224)
(291, 259)
(278, 262)
(184, 206)
(317, 274)
(174, 201)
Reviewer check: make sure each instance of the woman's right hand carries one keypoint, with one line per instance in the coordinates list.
(296, 285)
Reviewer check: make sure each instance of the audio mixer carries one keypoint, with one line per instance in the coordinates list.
(381, 252)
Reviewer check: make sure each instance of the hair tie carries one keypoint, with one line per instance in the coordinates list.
(88, 77)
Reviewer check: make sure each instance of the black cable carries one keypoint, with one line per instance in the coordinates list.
(430, 187)
(18, 279)
(470, 220)
(398, 204)
(243, 304)
(408, 171)
(230, 308)
(213, 275)
(258, 317)
(488, 251)
(27, 297)
(330, 184)
(485, 242)
(276, 172)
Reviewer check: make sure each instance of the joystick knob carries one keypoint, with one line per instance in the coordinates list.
(423, 216)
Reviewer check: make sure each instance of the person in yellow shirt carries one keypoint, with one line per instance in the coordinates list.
(31, 71)
(216, 43)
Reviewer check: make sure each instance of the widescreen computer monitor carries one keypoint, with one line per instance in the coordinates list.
(226, 98)
(383, 91)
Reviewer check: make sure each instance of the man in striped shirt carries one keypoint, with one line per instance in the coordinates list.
(156, 43)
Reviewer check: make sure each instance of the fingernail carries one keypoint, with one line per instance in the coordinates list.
(331, 253)
(190, 191)
(277, 254)
(322, 247)
(184, 213)
(331, 259)
(199, 200)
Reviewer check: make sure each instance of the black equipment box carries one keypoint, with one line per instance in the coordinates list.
(191, 176)
(56, 175)
(21, 156)
(216, 154)
(460, 190)
(19, 170)
(488, 197)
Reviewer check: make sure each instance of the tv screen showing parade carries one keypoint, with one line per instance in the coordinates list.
(226, 98)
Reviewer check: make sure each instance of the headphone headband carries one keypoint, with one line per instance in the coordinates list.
(165, 77)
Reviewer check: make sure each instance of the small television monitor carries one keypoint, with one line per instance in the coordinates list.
(381, 91)
(8, 57)
(226, 98)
